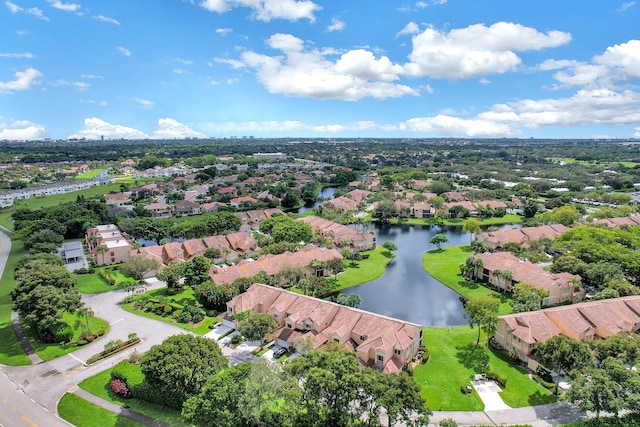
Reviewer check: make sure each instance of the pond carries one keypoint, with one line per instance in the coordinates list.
(327, 193)
(406, 291)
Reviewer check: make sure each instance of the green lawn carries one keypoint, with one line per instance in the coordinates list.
(93, 283)
(444, 266)
(51, 351)
(507, 219)
(90, 174)
(366, 271)
(82, 413)
(99, 385)
(185, 297)
(455, 358)
(11, 352)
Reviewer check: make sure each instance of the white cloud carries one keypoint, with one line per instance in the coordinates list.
(123, 51)
(172, 129)
(266, 10)
(106, 19)
(95, 128)
(22, 32)
(624, 57)
(67, 7)
(330, 128)
(91, 76)
(255, 127)
(37, 12)
(224, 31)
(178, 71)
(145, 103)
(476, 50)
(23, 81)
(22, 130)
(305, 72)
(13, 8)
(100, 103)
(410, 28)
(625, 6)
(455, 126)
(234, 63)
(25, 55)
(336, 25)
(636, 134)
(77, 85)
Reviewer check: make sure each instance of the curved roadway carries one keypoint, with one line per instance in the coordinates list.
(29, 395)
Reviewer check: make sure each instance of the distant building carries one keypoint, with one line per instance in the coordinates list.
(270, 156)
(116, 246)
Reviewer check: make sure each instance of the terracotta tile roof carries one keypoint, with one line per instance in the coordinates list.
(532, 327)
(522, 235)
(344, 203)
(338, 232)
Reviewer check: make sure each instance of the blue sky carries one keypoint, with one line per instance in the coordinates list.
(311, 68)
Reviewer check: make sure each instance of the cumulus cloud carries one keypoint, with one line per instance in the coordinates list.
(95, 128)
(24, 80)
(77, 85)
(106, 19)
(123, 51)
(267, 10)
(22, 130)
(37, 12)
(21, 55)
(455, 126)
(336, 25)
(145, 103)
(330, 128)
(67, 7)
(13, 8)
(224, 31)
(476, 50)
(410, 28)
(172, 129)
(234, 63)
(624, 58)
(303, 72)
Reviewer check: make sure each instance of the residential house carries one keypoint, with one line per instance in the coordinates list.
(342, 235)
(274, 264)
(117, 199)
(423, 210)
(344, 203)
(562, 287)
(211, 207)
(520, 333)
(251, 219)
(305, 322)
(630, 221)
(185, 207)
(72, 252)
(159, 210)
(241, 202)
(107, 245)
(496, 239)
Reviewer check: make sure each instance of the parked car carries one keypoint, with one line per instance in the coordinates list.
(279, 352)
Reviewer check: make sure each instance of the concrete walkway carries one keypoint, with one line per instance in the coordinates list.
(24, 341)
(489, 393)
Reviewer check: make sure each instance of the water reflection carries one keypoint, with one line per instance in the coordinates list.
(327, 193)
(406, 291)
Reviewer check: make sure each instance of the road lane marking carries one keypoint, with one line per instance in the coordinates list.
(28, 421)
(79, 360)
(116, 321)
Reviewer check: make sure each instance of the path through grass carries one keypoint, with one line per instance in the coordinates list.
(82, 413)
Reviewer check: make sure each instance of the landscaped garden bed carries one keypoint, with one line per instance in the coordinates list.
(114, 347)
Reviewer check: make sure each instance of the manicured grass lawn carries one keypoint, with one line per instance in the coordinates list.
(455, 358)
(11, 352)
(82, 413)
(185, 297)
(507, 219)
(90, 174)
(51, 351)
(366, 271)
(99, 385)
(91, 284)
(444, 266)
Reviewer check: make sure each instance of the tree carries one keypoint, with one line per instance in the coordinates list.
(137, 267)
(217, 403)
(87, 312)
(257, 326)
(403, 402)
(482, 311)
(386, 209)
(196, 271)
(527, 297)
(350, 300)
(181, 365)
(472, 226)
(623, 346)
(438, 240)
(562, 355)
(171, 276)
(390, 247)
(102, 249)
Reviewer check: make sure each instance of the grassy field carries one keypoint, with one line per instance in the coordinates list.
(185, 297)
(99, 385)
(82, 413)
(507, 219)
(366, 271)
(455, 358)
(93, 283)
(51, 351)
(444, 266)
(11, 352)
(90, 174)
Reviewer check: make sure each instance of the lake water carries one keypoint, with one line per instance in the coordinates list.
(327, 193)
(406, 291)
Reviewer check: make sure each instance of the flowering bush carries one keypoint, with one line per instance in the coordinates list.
(120, 388)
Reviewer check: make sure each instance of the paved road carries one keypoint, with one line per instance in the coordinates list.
(29, 395)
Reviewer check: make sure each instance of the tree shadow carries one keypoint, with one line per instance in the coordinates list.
(539, 398)
(471, 356)
(468, 285)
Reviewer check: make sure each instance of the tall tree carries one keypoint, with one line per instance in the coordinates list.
(482, 311)
(471, 226)
(171, 276)
(196, 271)
(527, 297)
(438, 240)
(257, 326)
(563, 355)
(137, 267)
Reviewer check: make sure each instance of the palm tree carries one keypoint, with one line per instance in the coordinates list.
(102, 249)
(86, 311)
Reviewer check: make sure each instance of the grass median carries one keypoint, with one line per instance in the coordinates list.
(82, 413)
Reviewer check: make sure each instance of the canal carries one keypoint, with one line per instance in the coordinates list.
(405, 291)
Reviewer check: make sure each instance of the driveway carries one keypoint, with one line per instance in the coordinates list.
(489, 392)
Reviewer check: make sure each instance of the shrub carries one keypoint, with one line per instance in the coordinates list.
(183, 317)
(465, 389)
(129, 373)
(499, 379)
(62, 333)
(120, 388)
(365, 256)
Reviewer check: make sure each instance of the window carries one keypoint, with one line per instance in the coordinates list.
(380, 358)
(363, 337)
(336, 340)
(289, 326)
(112, 253)
(396, 351)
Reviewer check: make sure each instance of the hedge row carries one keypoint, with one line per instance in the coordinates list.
(113, 350)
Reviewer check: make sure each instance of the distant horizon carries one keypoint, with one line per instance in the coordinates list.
(313, 68)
